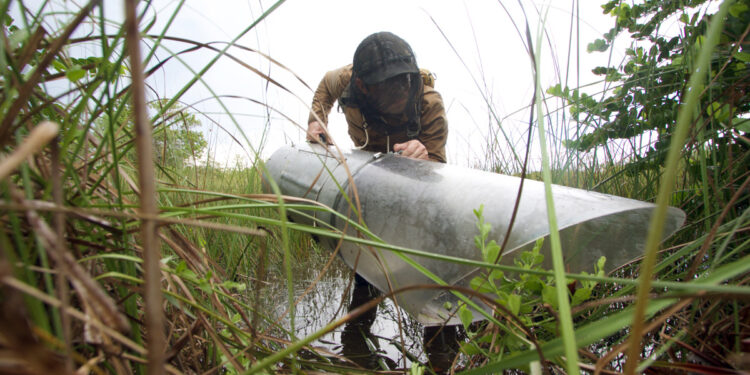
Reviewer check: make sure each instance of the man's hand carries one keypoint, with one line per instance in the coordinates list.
(413, 149)
(316, 132)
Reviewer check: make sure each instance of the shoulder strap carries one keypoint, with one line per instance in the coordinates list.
(428, 77)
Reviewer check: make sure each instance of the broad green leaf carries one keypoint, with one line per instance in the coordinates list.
(718, 111)
(470, 348)
(599, 45)
(514, 303)
(555, 90)
(533, 283)
(58, 65)
(466, 316)
(549, 296)
(497, 275)
(742, 56)
(205, 286)
(481, 285)
(181, 267)
(742, 124)
(75, 73)
(580, 296)
(491, 252)
(737, 9)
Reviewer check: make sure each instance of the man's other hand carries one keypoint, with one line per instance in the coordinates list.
(316, 132)
(413, 149)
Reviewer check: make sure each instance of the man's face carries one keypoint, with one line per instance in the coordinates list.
(391, 95)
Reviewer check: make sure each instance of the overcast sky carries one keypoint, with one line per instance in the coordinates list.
(311, 37)
(473, 47)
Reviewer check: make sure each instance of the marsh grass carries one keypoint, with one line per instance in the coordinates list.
(75, 275)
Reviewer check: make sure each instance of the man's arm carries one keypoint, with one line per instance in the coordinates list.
(329, 90)
(434, 134)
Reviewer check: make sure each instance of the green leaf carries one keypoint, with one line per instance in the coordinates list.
(599, 45)
(718, 111)
(496, 275)
(514, 303)
(58, 65)
(478, 212)
(491, 252)
(613, 76)
(742, 56)
(465, 315)
(533, 284)
(478, 243)
(538, 246)
(742, 124)
(18, 37)
(75, 73)
(485, 229)
(236, 318)
(580, 296)
(481, 285)
(239, 287)
(737, 9)
(470, 348)
(181, 267)
(555, 90)
(416, 369)
(205, 286)
(549, 296)
(600, 264)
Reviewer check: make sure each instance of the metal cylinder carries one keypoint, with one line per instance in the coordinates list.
(430, 206)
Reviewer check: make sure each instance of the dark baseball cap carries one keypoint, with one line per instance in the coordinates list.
(381, 56)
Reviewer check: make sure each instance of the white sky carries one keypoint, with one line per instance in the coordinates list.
(312, 37)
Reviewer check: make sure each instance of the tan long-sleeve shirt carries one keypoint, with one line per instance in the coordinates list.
(433, 135)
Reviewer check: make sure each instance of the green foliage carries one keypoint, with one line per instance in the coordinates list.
(652, 79)
(81, 241)
(212, 242)
(522, 296)
(649, 88)
(177, 138)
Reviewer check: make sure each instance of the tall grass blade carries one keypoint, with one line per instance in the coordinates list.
(561, 287)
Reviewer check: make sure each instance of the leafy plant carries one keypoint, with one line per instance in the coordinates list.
(525, 300)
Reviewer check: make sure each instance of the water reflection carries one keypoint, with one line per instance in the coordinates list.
(373, 340)
(358, 343)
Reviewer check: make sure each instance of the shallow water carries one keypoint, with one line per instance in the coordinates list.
(376, 348)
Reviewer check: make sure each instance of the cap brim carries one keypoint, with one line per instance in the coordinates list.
(393, 69)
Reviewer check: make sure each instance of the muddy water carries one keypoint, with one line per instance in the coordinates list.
(373, 341)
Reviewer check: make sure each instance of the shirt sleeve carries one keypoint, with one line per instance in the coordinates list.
(434, 134)
(329, 90)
